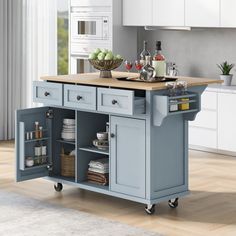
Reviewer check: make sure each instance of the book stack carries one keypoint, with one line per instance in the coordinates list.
(98, 172)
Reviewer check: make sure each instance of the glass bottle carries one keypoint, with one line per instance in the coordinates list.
(159, 62)
(144, 53)
(40, 132)
(36, 129)
(158, 56)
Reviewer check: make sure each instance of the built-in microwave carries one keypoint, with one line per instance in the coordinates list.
(90, 26)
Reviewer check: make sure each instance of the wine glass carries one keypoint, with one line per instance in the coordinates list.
(138, 66)
(128, 65)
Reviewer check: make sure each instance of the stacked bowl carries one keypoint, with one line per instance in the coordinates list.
(68, 130)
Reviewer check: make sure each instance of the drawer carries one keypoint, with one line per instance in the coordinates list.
(48, 93)
(205, 119)
(202, 137)
(83, 97)
(120, 101)
(209, 100)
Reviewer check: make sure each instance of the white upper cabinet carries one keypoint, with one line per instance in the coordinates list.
(137, 12)
(168, 12)
(202, 13)
(228, 13)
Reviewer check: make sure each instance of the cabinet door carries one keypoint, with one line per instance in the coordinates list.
(168, 12)
(137, 12)
(128, 156)
(226, 122)
(228, 16)
(25, 123)
(202, 13)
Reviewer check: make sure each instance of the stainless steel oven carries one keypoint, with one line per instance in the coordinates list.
(80, 64)
(90, 26)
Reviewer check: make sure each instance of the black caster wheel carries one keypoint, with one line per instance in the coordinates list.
(58, 187)
(173, 203)
(150, 209)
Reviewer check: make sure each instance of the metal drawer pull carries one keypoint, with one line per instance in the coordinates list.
(112, 135)
(79, 98)
(46, 94)
(114, 102)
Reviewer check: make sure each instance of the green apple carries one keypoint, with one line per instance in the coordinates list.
(101, 56)
(105, 51)
(109, 56)
(97, 51)
(118, 56)
(93, 56)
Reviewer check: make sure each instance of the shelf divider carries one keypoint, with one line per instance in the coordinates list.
(94, 150)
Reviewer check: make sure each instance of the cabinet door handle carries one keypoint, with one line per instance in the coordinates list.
(46, 94)
(112, 135)
(114, 102)
(79, 98)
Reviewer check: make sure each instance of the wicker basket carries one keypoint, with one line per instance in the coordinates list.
(105, 66)
(67, 165)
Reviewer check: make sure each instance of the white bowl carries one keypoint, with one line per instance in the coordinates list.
(102, 135)
(68, 136)
(69, 121)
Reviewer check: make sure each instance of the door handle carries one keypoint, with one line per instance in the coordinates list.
(46, 94)
(79, 98)
(113, 135)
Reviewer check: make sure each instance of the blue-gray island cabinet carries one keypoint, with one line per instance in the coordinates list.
(148, 142)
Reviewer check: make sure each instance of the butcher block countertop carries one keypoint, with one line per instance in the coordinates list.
(93, 79)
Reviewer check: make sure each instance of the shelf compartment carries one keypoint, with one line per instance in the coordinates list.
(93, 187)
(36, 140)
(162, 103)
(94, 150)
(66, 142)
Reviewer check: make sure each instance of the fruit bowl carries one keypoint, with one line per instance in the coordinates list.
(105, 66)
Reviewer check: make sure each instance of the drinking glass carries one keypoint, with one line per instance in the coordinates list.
(138, 66)
(128, 65)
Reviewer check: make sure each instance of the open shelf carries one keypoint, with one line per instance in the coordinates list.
(95, 150)
(65, 141)
(36, 140)
(91, 186)
(60, 177)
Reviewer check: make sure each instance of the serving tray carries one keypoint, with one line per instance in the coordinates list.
(154, 80)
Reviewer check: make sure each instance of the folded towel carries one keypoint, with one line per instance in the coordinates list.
(100, 163)
(102, 179)
(97, 170)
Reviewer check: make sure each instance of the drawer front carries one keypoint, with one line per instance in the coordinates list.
(205, 119)
(82, 97)
(48, 93)
(209, 100)
(116, 101)
(203, 137)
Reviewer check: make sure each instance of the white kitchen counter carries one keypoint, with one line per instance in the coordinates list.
(221, 88)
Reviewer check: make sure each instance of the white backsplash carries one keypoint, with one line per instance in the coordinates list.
(195, 52)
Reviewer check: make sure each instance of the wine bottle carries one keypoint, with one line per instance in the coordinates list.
(144, 53)
(159, 62)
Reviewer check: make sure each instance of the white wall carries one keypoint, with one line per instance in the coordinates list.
(196, 52)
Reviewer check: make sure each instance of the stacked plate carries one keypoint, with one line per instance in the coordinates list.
(68, 130)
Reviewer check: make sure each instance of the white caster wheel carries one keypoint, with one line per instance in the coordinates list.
(173, 203)
(58, 187)
(150, 209)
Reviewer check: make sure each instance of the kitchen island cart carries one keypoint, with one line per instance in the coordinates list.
(148, 143)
